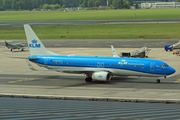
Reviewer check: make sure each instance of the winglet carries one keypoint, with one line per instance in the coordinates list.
(114, 52)
(35, 45)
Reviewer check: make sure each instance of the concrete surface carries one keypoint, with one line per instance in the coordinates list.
(16, 79)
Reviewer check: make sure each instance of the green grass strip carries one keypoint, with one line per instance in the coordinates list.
(98, 31)
(123, 14)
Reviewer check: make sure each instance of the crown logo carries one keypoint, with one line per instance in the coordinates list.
(100, 76)
(34, 41)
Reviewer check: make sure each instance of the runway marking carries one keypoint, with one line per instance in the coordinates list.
(22, 80)
(178, 80)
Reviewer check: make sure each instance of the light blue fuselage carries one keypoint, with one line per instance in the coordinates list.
(115, 65)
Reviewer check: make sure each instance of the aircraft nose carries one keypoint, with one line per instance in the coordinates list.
(172, 70)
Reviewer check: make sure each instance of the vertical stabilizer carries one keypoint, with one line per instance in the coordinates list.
(35, 45)
(6, 44)
(114, 52)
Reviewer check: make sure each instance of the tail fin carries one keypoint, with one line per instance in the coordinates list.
(35, 45)
(114, 52)
(6, 44)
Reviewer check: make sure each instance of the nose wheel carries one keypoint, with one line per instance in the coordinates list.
(88, 79)
(158, 81)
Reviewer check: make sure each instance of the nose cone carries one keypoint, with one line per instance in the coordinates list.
(171, 70)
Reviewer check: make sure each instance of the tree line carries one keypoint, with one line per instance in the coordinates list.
(34, 4)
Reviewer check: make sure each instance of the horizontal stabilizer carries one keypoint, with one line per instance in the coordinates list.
(30, 66)
(25, 58)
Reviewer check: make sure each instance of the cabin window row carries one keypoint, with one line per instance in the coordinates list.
(66, 63)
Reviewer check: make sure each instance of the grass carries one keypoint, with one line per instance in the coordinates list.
(123, 14)
(98, 31)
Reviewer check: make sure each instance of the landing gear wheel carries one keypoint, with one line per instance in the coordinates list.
(11, 49)
(158, 81)
(22, 49)
(88, 79)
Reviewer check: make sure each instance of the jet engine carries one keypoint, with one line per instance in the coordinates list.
(102, 76)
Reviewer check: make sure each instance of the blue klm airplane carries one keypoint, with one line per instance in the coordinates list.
(95, 68)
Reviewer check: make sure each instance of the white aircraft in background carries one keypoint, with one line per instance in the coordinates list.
(114, 52)
(15, 46)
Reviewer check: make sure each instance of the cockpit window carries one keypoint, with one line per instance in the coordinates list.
(164, 65)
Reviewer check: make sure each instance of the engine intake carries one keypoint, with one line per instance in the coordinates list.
(102, 76)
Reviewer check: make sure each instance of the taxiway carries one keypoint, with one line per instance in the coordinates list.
(16, 79)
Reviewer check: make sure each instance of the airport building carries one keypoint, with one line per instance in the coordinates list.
(161, 5)
(151, 1)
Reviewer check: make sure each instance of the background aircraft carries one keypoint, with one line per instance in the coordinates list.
(15, 46)
(95, 68)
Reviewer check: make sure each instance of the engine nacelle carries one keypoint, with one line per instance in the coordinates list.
(102, 76)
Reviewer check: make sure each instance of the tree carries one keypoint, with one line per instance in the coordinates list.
(7, 4)
(31, 4)
(90, 3)
(56, 6)
(97, 3)
(118, 4)
(126, 4)
(14, 5)
(63, 6)
(45, 6)
(136, 6)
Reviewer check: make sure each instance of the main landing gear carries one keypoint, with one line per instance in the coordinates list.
(158, 81)
(88, 79)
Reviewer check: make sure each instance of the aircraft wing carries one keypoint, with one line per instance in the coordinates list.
(88, 71)
(114, 52)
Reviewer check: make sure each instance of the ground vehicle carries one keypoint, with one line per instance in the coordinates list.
(171, 47)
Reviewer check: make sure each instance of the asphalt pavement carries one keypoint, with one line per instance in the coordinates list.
(80, 22)
(101, 43)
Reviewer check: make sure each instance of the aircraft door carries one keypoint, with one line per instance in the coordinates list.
(98, 65)
(46, 61)
(102, 65)
(152, 66)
